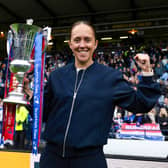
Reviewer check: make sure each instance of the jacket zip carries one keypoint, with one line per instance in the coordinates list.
(72, 106)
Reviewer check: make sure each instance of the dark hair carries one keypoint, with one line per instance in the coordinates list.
(86, 22)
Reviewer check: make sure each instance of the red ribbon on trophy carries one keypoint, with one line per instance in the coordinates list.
(9, 123)
(9, 114)
(9, 109)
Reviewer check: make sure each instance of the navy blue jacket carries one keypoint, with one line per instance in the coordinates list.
(83, 119)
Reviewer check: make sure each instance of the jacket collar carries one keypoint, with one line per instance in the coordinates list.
(88, 68)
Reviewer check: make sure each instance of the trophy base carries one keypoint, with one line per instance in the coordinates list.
(15, 98)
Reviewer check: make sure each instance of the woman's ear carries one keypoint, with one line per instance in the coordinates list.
(69, 43)
(96, 44)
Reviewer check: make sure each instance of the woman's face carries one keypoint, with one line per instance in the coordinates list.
(83, 44)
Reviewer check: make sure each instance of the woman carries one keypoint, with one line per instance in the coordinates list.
(80, 101)
(163, 121)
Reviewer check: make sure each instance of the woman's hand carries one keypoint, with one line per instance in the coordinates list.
(143, 62)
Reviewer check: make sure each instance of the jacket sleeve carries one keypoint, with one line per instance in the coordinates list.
(141, 100)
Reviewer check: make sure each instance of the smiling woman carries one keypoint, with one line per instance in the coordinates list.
(83, 43)
(79, 104)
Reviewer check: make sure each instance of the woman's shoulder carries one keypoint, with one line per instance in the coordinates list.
(62, 69)
(108, 69)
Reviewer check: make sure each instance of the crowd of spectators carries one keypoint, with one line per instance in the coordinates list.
(122, 59)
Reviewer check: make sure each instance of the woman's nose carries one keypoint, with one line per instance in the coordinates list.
(82, 43)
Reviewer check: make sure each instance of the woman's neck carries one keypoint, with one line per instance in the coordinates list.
(84, 65)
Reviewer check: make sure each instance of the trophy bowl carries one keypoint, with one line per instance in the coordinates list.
(20, 44)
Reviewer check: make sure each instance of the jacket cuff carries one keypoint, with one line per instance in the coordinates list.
(147, 73)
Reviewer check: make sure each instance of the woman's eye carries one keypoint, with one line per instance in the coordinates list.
(87, 39)
(77, 40)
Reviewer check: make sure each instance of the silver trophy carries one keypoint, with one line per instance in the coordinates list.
(20, 41)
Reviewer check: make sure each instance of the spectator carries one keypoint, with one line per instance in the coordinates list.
(19, 136)
(164, 60)
(158, 71)
(129, 118)
(3, 68)
(152, 116)
(2, 85)
(28, 132)
(164, 78)
(163, 121)
(117, 121)
(166, 102)
(139, 119)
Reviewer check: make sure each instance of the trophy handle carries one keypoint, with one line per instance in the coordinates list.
(47, 37)
(9, 41)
